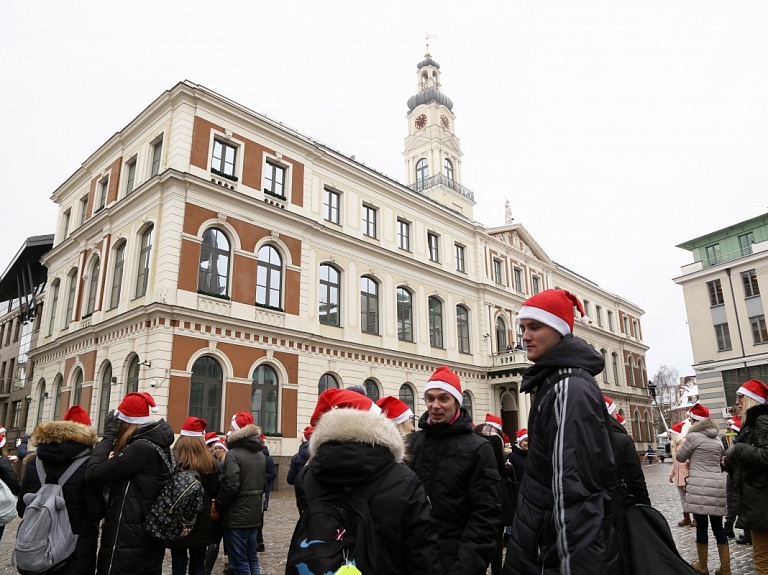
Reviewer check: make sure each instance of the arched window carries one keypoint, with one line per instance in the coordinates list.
(93, 287)
(71, 297)
(269, 278)
(145, 256)
(117, 275)
(637, 432)
(448, 169)
(372, 390)
(52, 305)
(422, 172)
(264, 398)
(77, 393)
(407, 396)
(41, 395)
(649, 430)
(605, 364)
(213, 274)
(615, 366)
(58, 383)
(501, 334)
(132, 383)
(404, 314)
(435, 322)
(327, 381)
(641, 370)
(369, 305)
(632, 372)
(468, 404)
(462, 328)
(330, 289)
(105, 396)
(205, 391)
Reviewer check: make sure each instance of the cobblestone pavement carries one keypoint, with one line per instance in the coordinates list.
(282, 516)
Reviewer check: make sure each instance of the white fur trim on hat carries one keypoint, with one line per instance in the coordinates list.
(188, 433)
(3, 440)
(496, 425)
(545, 317)
(437, 384)
(751, 394)
(403, 417)
(138, 420)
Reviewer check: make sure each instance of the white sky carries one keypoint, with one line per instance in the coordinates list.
(617, 130)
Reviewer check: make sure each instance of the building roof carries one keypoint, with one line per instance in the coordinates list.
(25, 270)
(733, 229)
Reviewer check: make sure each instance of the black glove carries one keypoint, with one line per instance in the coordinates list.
(111, 425)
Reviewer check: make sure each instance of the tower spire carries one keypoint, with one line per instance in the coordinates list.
(429, 36)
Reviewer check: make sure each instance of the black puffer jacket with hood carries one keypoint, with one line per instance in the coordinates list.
(357, 449)
(59, 443)
(460, 475)
(562, 521)
(241, 494)
(134, 477)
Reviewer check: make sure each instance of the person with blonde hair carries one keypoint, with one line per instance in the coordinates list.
(747, 461)
(191, 454)
(679, 472)
(398, 413)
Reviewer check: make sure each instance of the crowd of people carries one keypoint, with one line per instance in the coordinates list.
(445, 497)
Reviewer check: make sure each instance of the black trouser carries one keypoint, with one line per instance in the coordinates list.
(717, 529)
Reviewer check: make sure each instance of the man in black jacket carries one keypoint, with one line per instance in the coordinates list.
(241, 496)
(627, 460)
(562, 520)
(459, 472)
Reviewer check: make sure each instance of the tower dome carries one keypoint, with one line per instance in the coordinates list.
(428, 71)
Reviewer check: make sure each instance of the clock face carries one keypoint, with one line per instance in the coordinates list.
(421, 121)
(445, 122)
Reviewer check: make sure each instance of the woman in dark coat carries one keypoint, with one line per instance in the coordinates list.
(190, 452)
(59, 443)
(7, 475)
(354, 448)
(747, 460)
(126, 461)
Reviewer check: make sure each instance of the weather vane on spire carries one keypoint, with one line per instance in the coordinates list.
(429, 36)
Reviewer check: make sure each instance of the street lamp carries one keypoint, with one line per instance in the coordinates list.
(652, 393)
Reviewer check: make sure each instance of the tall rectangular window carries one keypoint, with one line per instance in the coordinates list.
(498, 275)
(404, 235)
(274, 180)
(117, 276)
(586, 305)
(460, 257)
(223, 159)
(83, 209)
(130, 179)
(713, 254)
(369, 220)
(462, 328)
(517, 274)
(745, 243)
(723, 336)
(535, 284)
(610, 320)
(103, 187)
(433, 244)
(66, 218)
(70, 298)
(599, 315)
(626, 325)
(759, 331)
(635, 329)
(157, 154)
(142, 278)
(751, 287)
(715, 293)
(331, 206)
(404, 315)
(330, 286)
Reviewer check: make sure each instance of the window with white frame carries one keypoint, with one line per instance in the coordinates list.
(759, 332)
(462, 328)
(751, 287)
(422, 173)
(404, 314)
(103, 188)
(435, 322)
(615, 368)
(130, 178)
(331, 201)
(433, 244)
(205, 390)
(54, 297)
(274, 180)
(635, 329)
(745, 243)
(105, 396)
(715, 293)
(66, 217)
(460, 252)
(327, 381)
(132, 381)
(83, 209)
(369, 220)
(58, 383)
(213, 273)
(72, 287)
(93, 286)
(145, 256)
(369, 305)
(157, 154)
(535, 284)
(372, 389)
(448, 169)
(223, 159)
(269, 278)
(605, 363)
(403, 235)
(625, 319)
(517, 274)
(330, 288)
(498, 274)
(77, 393)
(117, 275)
(264, 398)
(586, 305)
(723, 336)
(610, 320)
(599, 315)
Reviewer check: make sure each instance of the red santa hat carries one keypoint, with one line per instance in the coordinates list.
(754, 389)
(493, 420)
(78, 415)
(521, 435)
(677, 428)
(307, 433)
(445, 379)
(553, 307)
(221, 443)
(193, 427)
(2, 436)
(241, 419)
(341, 399)
(395, 410)
(211, 437)
(699, 412)
(136, 407)
(609, 405)
(735, 423)
(621, 419)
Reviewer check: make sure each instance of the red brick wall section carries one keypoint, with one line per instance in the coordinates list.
(244, 280)
(188, 265)
(85, 399)
(288, 415)
(292, 292)
(114, 180)
(201, 141)
(89, 364)
(178, 400)
(297, 182)
(238, 399)
(91, 198)
(106, 243)
(253, 160)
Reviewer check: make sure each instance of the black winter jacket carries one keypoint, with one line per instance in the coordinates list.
(59, 444)
(298, 461)
(202, 531)
(241, 495)
(562, 521)
(628, 463)
(358, 449)
(134, 477)
(747, 461)
(517, 460)
(8, 475)
(460, 476)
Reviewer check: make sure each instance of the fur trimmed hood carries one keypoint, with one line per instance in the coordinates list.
(707, 427)
(353, 425)
(249, 430)
(62, 431)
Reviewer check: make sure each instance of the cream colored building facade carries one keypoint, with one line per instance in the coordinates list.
(224, 262)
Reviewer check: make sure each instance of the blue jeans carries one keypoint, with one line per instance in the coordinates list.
(241, 549)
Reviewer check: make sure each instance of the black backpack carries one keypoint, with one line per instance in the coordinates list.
(174, 512)
(336, 529)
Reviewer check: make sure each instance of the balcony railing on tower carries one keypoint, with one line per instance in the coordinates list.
(441, 180)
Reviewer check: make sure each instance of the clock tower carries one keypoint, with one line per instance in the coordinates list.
(432, 150)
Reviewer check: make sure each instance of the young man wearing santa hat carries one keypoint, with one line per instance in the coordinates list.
(627, 462)
(460, 475)
(561, 522)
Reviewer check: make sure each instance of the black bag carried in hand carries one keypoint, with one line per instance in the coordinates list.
(174, 512)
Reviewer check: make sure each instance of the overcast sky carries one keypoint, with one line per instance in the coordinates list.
(617, 130)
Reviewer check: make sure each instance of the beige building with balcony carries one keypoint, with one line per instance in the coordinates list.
(724, 291)
(224, 262)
